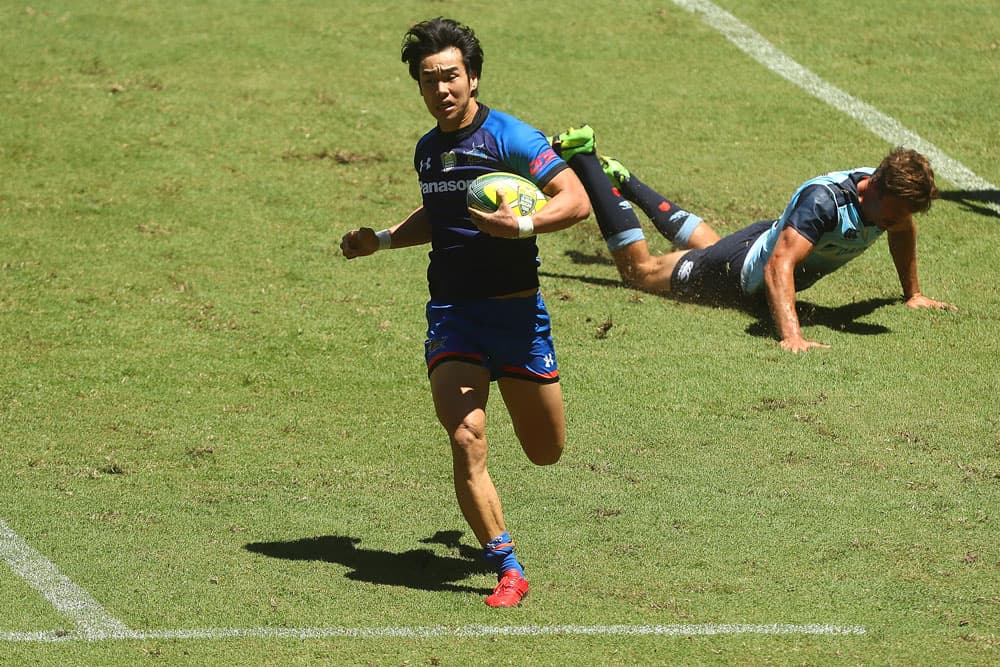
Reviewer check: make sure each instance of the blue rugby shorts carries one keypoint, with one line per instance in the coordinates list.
(509, 337)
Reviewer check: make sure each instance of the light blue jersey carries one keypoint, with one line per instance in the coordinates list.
(827, 211)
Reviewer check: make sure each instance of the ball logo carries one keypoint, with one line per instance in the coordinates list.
(525, 202)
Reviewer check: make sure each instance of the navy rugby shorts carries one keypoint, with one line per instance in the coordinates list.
(713, 274)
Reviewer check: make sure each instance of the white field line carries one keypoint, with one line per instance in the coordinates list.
(91, 620)
(886, 127)
(430, 632)
(93, 623)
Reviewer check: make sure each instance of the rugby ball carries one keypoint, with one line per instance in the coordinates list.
(523, 196)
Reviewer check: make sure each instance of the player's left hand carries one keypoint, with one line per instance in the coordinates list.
(797, 343)
(918, 300)
(502, 223)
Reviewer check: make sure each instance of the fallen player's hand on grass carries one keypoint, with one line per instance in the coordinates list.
(918, 300)
(798, 344)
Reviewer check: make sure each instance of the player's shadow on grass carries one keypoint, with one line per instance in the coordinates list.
(578, 257)
(839, 318)
(974, 200)
(418, 568)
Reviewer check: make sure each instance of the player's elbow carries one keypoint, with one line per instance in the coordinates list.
(580, 209)
(577, 201)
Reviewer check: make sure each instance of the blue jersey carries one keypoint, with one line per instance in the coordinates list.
(464, 262)
(827, 211)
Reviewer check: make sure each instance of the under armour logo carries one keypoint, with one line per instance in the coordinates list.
(425, 165)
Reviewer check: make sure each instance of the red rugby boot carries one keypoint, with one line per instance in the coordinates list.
(509, 592)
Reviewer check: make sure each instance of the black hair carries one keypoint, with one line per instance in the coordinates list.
(437, 34)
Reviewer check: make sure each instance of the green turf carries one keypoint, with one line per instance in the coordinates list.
(210, 419)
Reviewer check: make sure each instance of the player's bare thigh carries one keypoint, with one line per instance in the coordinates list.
(539, 418)
(460, 393)
(702, 237)
(641, 270)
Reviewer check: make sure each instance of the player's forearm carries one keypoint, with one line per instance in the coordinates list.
(414, 230)
(903, 248)
(781, 300)
(908, 280)
(786, 320)
(561, 212)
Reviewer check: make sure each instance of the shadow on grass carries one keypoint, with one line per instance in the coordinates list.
(977, 201)
(586, 259)
(603, 282)
(840, 318)
(418, 568)
(578, 257)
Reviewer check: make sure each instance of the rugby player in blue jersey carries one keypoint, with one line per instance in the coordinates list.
(486, 320)
(830, 220)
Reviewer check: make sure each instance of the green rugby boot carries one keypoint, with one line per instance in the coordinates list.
(574, 141)
(615, 171)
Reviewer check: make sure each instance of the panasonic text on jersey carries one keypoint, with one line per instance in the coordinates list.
(434, 187)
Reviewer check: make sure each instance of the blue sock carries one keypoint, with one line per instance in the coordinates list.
(499, 554)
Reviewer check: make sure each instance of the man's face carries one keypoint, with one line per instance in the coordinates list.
(889, 213)
(447, 89)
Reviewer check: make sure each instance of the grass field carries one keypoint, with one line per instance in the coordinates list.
(218, 441)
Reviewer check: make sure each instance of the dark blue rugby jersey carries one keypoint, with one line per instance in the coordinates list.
(464, 262)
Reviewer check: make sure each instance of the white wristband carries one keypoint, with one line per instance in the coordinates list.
(384, 239)
(525, 227)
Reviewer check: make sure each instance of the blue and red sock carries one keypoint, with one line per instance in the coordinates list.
(671, 220)
(616, 219)
(499, 555)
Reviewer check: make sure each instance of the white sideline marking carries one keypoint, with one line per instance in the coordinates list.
(429, 632)
(754, 45)
(92, 621)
